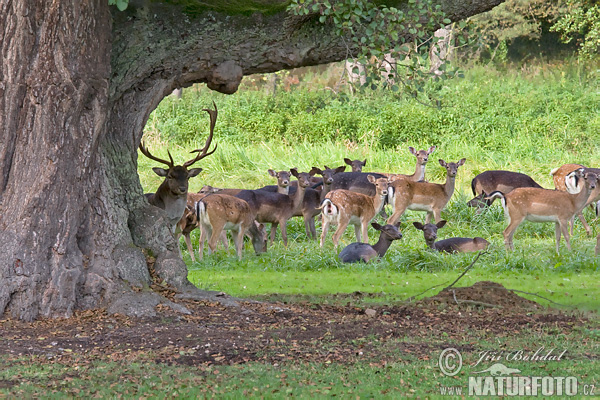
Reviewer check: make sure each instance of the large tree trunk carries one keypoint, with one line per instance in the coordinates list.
(77, 86)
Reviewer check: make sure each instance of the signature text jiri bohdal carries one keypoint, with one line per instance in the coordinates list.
(540, 354)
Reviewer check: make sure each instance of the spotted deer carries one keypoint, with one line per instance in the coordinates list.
(544, 205)
(219, 212)
(423, 196)
(343, 207)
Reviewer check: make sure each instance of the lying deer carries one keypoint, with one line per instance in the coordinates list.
(364, 252)
(491, 181)
(544, 205)
(219, 212)
(343, 207)
(171, 195)
(451, 245)
(423, 196)
(356, 165)
(565, 180)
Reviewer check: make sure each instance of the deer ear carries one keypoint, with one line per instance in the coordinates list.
(294, 172)
(418, 225)
(339, 169)
(441, 223)
(398, 224)
(376, 226)
(371, 179)
(193, 172)
(462, 161)
(160, 171)
(348, 161)
(442, 162)
(315, 170)
(272, 173)
(412, 150)
(364, 163)
(431, 149)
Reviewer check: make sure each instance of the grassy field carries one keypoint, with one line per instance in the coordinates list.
(530, 120)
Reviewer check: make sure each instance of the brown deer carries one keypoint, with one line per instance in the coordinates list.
(565, 180)
(189, 221)
(356, 252)
(356, 165)
(276, 208)
(423, 196)
(171, 195)
(327, 174)
(451, 245)
(219, 212)
(497, 180)
(544, 205)
(343, 207)
(422, 158)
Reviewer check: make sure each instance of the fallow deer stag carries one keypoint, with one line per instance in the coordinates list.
(356, 252)
(219, 212)
(544, 205)
(565, 180)
(171, 195)
(497, 180)
(343, 207)
(451, 245)
(423, 196)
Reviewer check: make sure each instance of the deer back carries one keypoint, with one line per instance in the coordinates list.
(461, 245)
(356, 182)
(352, 203)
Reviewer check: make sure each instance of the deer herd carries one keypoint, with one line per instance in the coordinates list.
(356, 198)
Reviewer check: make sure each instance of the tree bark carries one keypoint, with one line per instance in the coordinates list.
(77, 86)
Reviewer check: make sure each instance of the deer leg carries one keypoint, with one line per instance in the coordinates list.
(588, 231)
(342, 225)
(398, 211)
(273, 231)
(357, 232)
(284, 232)
(510, 231)
(324, 228)
(428, 217)
(564, 227)
(311, 226)
(437, 215)
(215, 234)
(204, 232)
(224, 240)
(238, 241)
(188, 242)
(365, 232)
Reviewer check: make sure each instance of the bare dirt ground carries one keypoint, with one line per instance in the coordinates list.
(276, 332)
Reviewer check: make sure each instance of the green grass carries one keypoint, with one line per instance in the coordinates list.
(529, 123)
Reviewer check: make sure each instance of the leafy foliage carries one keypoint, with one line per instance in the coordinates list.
(581, 24)
(121, 4)
(393, 45)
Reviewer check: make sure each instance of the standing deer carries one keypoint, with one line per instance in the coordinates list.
(565, 180)
(356, 165)
(544, 205)
(451, 245)
(171, 195)
(343, 207)
(327, 174)
(423, 196)
(364, 252)
(491, 181)
(276, 208)
(422, 158)
(219, 212)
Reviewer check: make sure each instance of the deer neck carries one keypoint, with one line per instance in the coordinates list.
(419, 174)
(581, 198)
(283, 189)
(298, 198)
(378, 202)
(382, 245)
(449, 185)
(326, 189)
(430, 243)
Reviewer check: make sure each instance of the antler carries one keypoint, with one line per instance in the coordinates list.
(145, 152)
(204, 151)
